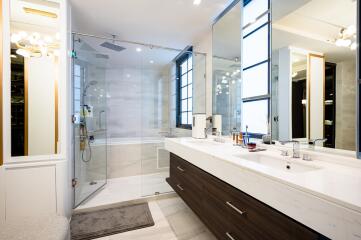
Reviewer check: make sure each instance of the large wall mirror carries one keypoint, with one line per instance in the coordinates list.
(35, 44)
(227, 68)
(313, 73)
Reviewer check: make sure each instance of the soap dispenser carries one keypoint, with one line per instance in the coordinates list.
(199, 126)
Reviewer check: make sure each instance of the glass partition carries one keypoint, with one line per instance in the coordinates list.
(89, 118)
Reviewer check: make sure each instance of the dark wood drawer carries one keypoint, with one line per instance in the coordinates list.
(191, 194)
(239, 207)
(186, 170)
(228, 212)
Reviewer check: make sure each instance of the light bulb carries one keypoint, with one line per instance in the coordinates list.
(343, 42)
(48, 39)
(138, 49)
(351, 30)
(23, 34)
(23, 52)
(15, 38)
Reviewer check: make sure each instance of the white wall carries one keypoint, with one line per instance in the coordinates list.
(204, 45)
(317, 91)
(284, 94)
(41, 105)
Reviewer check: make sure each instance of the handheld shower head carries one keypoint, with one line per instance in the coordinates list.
(91, 83)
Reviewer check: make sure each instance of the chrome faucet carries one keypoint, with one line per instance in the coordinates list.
(296, 148)
(313, 142)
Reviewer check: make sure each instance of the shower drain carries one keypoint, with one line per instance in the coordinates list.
(93, 183)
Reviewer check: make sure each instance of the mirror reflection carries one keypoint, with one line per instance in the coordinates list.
(314, 72)
(227, 71)
(35, 44)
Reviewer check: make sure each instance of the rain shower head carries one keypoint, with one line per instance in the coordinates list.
(112, 46)
(92, 83)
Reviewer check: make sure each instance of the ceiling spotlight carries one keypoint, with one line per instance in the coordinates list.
(138, 49)
(151, 61)
(197, 2)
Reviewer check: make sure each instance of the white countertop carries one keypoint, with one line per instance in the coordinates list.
(336, 183)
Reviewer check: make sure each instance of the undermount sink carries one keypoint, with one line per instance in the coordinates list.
(279, 163)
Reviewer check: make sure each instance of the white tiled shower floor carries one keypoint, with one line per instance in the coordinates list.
(128, 188)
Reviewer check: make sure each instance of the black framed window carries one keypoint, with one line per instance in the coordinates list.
(185, 89)
(256, 67)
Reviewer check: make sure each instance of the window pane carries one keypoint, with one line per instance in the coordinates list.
(190, 77)
(253, 10)
(184, 80)
(255, 47)
(76, 93)
(184, 67)
(190, 105)
(190, 120)
(255, 81)
(255, 25)
(255, 115)
(76, 106)
(76, 70)
(77, 81)
(190, 90)
(184, 105)
(190, 62)
(184, 118)
(184, 93)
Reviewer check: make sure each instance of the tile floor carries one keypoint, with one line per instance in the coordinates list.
(173, 221)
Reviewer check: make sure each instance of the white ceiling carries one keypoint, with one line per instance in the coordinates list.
(313, 25)
(173, 23)
(89, 50)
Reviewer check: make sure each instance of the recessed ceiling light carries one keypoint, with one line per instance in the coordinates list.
(151, 61)
(138, 49)
(40, 12)
(197, 2)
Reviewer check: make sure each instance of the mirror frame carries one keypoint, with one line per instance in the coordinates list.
(1, 85)
(358, 86)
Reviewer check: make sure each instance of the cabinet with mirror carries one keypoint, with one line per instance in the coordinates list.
(313, 73)
(35, 43)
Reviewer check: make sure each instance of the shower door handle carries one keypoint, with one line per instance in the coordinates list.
(100, 119)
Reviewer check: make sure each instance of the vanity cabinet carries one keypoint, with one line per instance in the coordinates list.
(228, 212)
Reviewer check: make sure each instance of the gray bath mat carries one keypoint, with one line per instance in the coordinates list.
(105, 222)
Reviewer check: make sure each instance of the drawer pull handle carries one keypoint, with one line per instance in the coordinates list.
(180, 187)
(180, 169)
(235, 208)
(230, 236)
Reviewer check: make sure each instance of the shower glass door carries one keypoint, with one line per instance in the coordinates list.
(89, 119)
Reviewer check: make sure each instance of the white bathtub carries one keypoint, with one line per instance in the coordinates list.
(132, 156)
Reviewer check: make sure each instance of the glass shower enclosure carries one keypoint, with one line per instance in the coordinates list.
(124, 107)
